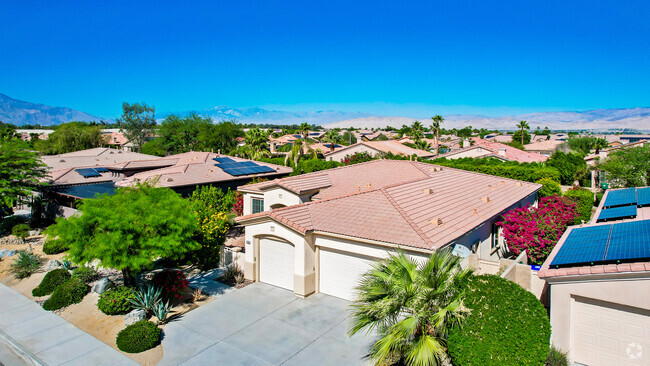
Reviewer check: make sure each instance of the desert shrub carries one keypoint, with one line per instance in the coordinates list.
(556, 358)
(599, 197)
(172, 282)
(25, 264)
(21, 231)
(549, 187)
(584, 200)
(146, 299)
(87, 274)
(116, 301)
(507, 326)
(232, 275)
(51, 281)
(529, 172)
(537, 229)
(138, 337)
(69, 292)
(52, 246)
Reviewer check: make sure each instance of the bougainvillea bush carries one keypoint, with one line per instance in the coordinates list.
(537, 229)
(358, 157)
(172, 282)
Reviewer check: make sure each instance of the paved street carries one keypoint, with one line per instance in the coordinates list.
(265, 325)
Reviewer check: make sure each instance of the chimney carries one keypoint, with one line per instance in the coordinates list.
(502, 151)
(466, 143)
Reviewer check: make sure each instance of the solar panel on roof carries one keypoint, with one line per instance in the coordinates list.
(583, 246)
(620, 197)
(88, 172)
(224, 160)
(622, 212)
(101, 170)
(629, 241)
(643, 196)
(237, 168)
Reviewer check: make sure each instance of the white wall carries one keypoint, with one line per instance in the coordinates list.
(279, 195)
(248, 204)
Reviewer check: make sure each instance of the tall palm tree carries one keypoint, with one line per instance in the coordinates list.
(257, 141)
(437, 121)
(304, 131)
(422, 145)
(331, 136)
(600, 144)
(523, 125)
(411, 305)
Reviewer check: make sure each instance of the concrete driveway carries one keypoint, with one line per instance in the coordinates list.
(265, 325)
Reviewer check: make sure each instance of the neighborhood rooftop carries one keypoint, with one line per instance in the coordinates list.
(400, 202)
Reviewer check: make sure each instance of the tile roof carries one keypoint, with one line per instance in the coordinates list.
(511, 153)
(194, 168)
(424, 206)
(391, 146)
(93, 157)
(546, 145)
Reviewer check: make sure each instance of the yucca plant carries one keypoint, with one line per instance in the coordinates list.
(146, 299)
(25, 264)
(161, 311)
(411, 304)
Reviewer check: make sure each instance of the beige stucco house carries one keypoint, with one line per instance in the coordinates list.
(599, 279)
(320, 232)
(377, 148)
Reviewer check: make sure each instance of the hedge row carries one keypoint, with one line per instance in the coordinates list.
(584, 200)
(526, 173)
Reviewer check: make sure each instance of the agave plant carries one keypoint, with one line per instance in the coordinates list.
(161, 311)
(146, 299)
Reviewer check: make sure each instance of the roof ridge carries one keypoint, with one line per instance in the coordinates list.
(407, 218)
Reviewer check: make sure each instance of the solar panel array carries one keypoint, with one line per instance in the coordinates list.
(237, 168)
(88, 172)
(623, 242)
(643, 196)
(617, 213)
(620, 197)
(101, 170)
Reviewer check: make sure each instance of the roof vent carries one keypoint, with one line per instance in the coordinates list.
(475, 211)
(436, 222)
(428, 191)
(368, 185)
(486, 199)
(211, 171)
(518, 184)
(490, 186)
(61, 161)
(169, 180)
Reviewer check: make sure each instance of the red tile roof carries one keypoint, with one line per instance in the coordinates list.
(511, 153)
(405, 202)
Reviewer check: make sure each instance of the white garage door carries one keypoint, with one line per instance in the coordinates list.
(277, 263)
(607, 334)
(340, 272)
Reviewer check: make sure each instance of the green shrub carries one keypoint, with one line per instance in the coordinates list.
(599, 197)
(8, 223)
(549, 187)
(556, 358)
(21, 231)
(25, 264)
(87, 274)
(584, 200)
(54, 246)
(138, 337)
(529, 172)
(51, 281)
(116, 301)
(507, 326)
(70, 292)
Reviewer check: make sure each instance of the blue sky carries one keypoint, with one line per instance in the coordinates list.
(391, 58)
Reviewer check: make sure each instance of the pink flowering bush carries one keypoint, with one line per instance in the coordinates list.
(537, 229)
(172, 282)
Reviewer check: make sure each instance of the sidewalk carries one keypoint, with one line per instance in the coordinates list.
(46, 339)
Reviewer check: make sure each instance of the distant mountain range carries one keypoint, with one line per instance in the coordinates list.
(21, 113)
(259, 115)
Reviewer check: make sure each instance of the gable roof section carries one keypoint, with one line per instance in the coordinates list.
(391, 146)
(428, 212)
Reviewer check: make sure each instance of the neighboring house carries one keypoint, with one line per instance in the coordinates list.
(376, 148)
(544, 147)
(484, 149)
(99, 156)
(599, 278)
(26, 134)
(115, 139)
(593, 159)
(504, 139)
(320, 232)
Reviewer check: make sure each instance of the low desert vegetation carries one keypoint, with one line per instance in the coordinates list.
(116, 301)
(26, 264)
(70, 292)
(138, 337)
(51, 281)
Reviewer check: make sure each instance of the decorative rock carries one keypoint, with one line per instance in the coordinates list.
(102, 285)
(53, 264)
(134, 316)
(34, 232)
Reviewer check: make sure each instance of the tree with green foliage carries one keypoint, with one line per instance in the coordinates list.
(129, 230)
(599, 144)
(517, 139)
(154, 147)
(584, 200)
(627, 167)
(257, 142)
(21, 170)
(422, 145)
(571, 166)
(523, 126)
(549, 188)
(138, 122)
(197, 133)
(412, 305)
(7, 131)
(69, 137)
(464, 132)
(435, 126)
(332, 137)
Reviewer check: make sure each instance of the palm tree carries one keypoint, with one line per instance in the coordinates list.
(422, 145)
(437, 121)
(257, 141)
(411, 304)
(304, 131)
(522, 125)
(600, 144)
(417, 125)
(331, 136)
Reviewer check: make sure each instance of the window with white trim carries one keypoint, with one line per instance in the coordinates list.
(258, 205)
